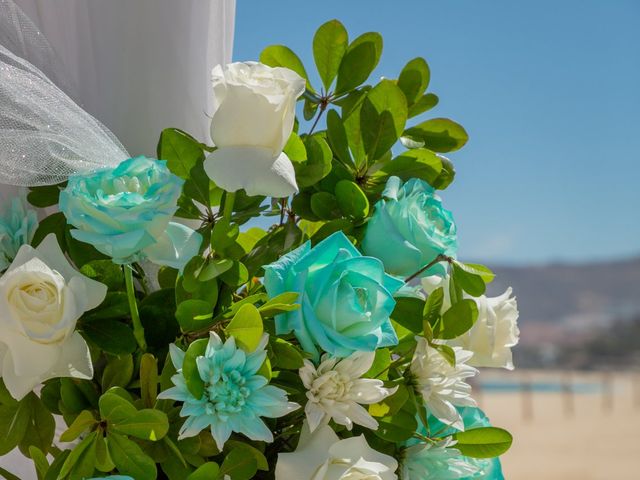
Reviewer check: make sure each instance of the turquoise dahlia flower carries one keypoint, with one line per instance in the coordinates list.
(410, 228)
(125, 212)
(235, 395)
(18, 224)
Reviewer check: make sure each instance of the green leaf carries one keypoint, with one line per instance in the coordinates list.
(424, 103)
(72, 399)
(190, 368)
(43, 196)
(249, 238)
(246, 327)
(446, 176)
(440, 134)
(351, 108)
(238, 465)
(111, 336)
(324, 205)
(408, 313)
(476, 269)
(485, 442)
(114, 407)
(295, 149)
(360, 59)
(105, 271)
(115, 305)
(14, 420)
(206, 471)
(383, 117)
(458, 319)
(380, 364)
(286, 355)
(417, 163)
(472, 284)
(398, 427)
(281, 56)
(80, 462)
(40, 427)
(83, 422)
(129, 458)
(337, 137)
(148, 379)
(447, 352)
(39, 460)
(56, 465)
(329, 46)
(433, 306)
(414, 79)
(351, 199)
(7, 475)
(261, 460)
(54, 223)
(103, 459)
(285, 302)
(235, 276)
(317, 164)
(180, 150)
(147, 424)
(188, 311)
(118, 372)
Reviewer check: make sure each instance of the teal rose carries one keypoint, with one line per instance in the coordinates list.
(125, 213)
(482, 468)
(409, 228)
(345, 299)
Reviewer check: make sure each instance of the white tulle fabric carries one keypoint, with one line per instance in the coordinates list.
(44, 135)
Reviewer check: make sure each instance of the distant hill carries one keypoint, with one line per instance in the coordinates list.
(560, 299)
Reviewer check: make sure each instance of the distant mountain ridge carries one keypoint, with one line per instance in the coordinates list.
(572, 295)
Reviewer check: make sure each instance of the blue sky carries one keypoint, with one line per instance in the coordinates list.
(549, 92)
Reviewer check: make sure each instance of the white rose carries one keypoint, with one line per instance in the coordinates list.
(495, 331)
(323, 456)
(254, 111)
(41, 299)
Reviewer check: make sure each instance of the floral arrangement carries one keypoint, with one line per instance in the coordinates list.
(178, 338)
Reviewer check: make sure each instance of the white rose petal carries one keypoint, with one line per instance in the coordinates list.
(41, 298)
(321, 455)
(495, 332)
(251, 123)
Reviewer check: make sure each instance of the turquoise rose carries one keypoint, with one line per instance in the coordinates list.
(125, 213)
(485, 468)
(18, 224)
(345, 298)
(410, 228)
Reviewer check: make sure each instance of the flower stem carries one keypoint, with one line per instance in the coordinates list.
(438, 259)
(229, 199)
(138, 329)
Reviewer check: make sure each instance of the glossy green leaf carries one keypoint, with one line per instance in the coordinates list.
(352, 201)
(423, 104)
(324, 205)
(14, 420)
(476, 269)
(469, 282)
(337, 137)
(112, 336)
(286, 355)
(238, 465)
(81, 461)
(246, 327)
(360, 59)
(187, 313)
(118, 372)
(383, 118)
(329, 46)
(317, 164)
(147, 424)
(486, 442)
(190, 368)
(398, 427)
(83, 422)
(418, 163)
(206, 471)
(282, 56)
(408, 313)
(148, 379)
(440, 134)
(458, 319)
(414, 79)
(129, 458)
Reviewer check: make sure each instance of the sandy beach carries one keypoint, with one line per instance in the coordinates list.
(592, 435)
